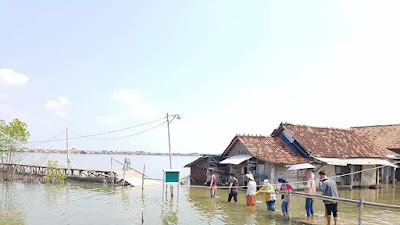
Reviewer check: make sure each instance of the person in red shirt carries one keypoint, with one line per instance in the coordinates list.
(213, 184)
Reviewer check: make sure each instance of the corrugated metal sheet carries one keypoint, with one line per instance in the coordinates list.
(382, 162)
(356, 161)
(332, 161)
(236, 160)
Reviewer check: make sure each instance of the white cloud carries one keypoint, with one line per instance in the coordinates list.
(60, 106)
(64, 100)
(134, 101)
(10, 77)
(131, 104)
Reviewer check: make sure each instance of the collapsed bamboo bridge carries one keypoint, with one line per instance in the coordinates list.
(119, 177)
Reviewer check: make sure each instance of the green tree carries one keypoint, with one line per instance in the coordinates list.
(54, 173)
(12, 136)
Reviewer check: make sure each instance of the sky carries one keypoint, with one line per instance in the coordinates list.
(226, 67)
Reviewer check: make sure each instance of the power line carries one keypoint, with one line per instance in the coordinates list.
(115, 138)
(102, 133)
(25, 145)
(38, 143)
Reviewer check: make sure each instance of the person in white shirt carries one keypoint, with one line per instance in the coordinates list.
(251, 191)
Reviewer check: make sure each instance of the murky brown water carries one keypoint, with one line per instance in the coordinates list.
(88, 203)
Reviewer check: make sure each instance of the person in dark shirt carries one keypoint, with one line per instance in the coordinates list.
(233, 187)
(329, 188)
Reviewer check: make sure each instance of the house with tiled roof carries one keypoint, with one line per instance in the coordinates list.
(337, 151)
(386, 138)
(264, 156)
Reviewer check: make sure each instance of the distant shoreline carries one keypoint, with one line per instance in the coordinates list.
(104, 152)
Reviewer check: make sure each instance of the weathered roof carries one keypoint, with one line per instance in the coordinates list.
(196, 161)
(334, 142)
(205, 157)
(271, 149)
(383, 136)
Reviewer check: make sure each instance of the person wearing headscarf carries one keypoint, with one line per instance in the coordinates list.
(285, 189)
(269, 195)
(213, 183)
(310, 188)
(251, 191)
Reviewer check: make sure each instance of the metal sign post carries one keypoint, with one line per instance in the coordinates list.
(171, 177)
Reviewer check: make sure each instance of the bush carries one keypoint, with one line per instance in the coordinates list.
(54, 173)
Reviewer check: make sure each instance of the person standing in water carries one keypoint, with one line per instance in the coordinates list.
(269, 195)
(213, 184)
(251, 191)
(285, 190)
(329, 188)
(233, 187)
(310, 188)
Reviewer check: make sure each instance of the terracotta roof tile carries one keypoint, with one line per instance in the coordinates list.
(271, 149)
(383, 136)
(334, 142)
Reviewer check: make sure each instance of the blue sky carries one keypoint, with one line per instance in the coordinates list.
(227, 67)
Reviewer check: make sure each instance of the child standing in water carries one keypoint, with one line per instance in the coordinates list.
(285, 189)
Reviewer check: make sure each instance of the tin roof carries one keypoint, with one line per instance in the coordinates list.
(355, 161)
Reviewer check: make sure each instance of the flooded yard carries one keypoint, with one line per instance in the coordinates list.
(89, 203)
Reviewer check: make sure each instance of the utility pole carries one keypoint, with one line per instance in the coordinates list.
(169, 143)
(169, 146)
(66, 141)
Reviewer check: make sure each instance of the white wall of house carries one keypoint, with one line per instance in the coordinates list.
(368, 177)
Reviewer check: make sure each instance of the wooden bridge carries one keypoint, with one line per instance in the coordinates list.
(127, 177)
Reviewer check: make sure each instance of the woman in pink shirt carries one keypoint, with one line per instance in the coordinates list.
(310, 188)
(213, 184)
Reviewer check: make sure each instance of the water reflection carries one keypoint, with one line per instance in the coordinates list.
(11, 211)
(73, 203)
(169, 212)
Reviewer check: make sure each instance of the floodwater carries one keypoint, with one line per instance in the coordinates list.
(96, 203)
(101, 204)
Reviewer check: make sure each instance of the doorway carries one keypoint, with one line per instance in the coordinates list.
(357, 176)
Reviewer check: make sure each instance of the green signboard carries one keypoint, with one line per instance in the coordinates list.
(171, 176)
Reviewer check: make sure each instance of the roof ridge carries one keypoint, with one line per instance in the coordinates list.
(302, 125)
(250, 135)
(384, 125)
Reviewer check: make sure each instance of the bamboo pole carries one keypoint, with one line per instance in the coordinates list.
(111, 171)
(350, 201)
(124, 169)
(360, 210)
(144, 170)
